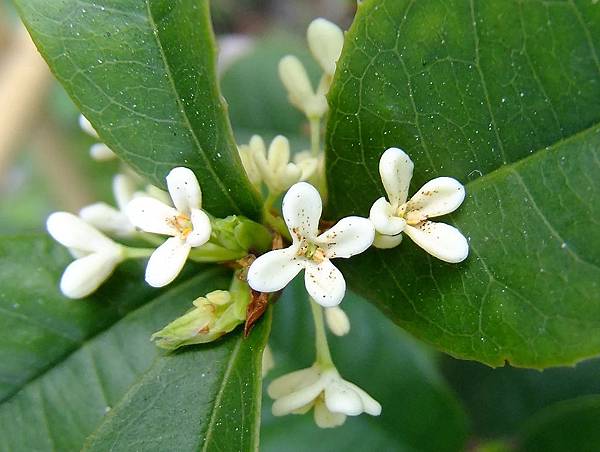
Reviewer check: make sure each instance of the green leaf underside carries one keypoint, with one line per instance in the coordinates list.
(143, 72)
(485, 92)
(419, 412)
(83, 388)
(570, 425)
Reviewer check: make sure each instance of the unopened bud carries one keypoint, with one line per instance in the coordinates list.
(300, 91)
(337, 321)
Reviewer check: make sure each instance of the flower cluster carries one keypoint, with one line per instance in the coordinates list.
(265, 256)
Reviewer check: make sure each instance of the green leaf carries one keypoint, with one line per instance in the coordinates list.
(419, 412)
(86, 369)
(143, 72)
(570, 425)
(38, 326)
(499, 401)
(502, 96)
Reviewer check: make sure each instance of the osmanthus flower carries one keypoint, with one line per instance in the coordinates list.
(323, 389)
(96, 256)
(337, 321)
(310, 251)
(113, 220)
(325, 40)
(273, 166)
(98, 151)
(395, 215)
(187, 224)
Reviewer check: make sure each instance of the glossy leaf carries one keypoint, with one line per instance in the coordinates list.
(144, 75)
(570, 425)
(419, 412)
(38, 326)
(502, 96)
(78, 377)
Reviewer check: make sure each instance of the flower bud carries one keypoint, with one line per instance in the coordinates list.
(212, 316)
(300, 91)
(325, 40)
(337, 321)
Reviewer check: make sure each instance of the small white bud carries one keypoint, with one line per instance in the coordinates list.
(268, 362)
(101, 152)
(325, 40)
(87, 127)
(337, 321)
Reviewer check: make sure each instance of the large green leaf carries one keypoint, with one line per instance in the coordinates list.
(502, 95)
(143, 72)
(38, 326)
(78, 378)
(419, 412)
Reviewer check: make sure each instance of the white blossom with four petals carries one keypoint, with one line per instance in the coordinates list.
(96, 256)
(332, 397)
(310, 251)
(395, 215)
(187, 224)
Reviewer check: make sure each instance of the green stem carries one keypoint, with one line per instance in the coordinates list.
(136, 253)
(323, 358)
(315, 136)
(275, 222)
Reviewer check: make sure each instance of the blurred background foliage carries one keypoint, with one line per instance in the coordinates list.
(431, 402)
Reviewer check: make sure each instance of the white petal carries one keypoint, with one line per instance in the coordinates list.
(324, 283)
(184, 189)
(383, 218)
(87, 127)
(385, 242)
(302, 209)
(83, 276)
(296, 81)
(101, 152)
(274, 270)
(249, 164)
(202, 228)
(72, 232)
(297, 399)
(289, 176)
(440, 240)
(437, 197)
(325, 418)
(151, 215)
(337, 321)
(166, 262)
(342, 398)
(288, 383)
(154, 192)
(267, 362)
(107, 218)
(307, 163)
(325, 40)
(370, 405)
(396, 169)
(123, 190)
(279, 154)
(349, 236)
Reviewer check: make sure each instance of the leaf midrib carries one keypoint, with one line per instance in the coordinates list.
(182, 109)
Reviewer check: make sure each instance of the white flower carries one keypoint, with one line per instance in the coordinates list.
(108, 219)
(98, 151)
(188, 225)
(337, 321)
(274, 167)
(395, 215)
(309, 251)
(268, 362)
(113, 220)
(96, 256)
(325, 40)
(300, 91)
(332, 397)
